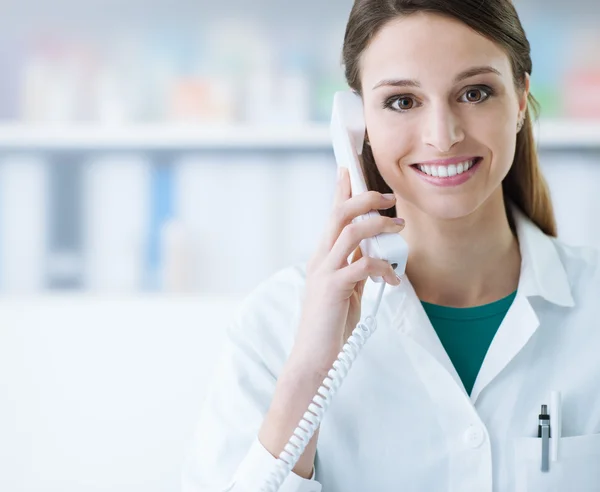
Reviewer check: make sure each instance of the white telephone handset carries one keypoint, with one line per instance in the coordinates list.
(347, 131)
(348, 135)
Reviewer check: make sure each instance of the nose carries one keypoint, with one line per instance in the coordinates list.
(443, 129)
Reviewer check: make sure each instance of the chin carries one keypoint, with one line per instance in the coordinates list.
(449, 207)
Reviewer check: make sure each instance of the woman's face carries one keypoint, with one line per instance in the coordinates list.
(435, 90)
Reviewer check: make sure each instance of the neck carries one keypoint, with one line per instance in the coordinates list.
(462, 262)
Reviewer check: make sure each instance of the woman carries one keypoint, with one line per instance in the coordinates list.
(494, 311)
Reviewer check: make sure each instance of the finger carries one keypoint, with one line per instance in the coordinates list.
(357, 255)
(343, 189)
(364, 268)
(353, 207)
(354, 233)
(360, 286)
(342, 194)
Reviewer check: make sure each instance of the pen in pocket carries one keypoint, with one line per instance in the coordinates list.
(544, 433)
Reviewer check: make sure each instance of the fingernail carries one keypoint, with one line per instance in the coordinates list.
(389, 196)
(399, 221)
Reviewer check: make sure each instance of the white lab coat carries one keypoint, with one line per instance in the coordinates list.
(402, 420)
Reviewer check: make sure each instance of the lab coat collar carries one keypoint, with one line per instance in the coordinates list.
(542, 271)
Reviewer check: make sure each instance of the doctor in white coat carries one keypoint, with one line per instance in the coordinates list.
(494, 313)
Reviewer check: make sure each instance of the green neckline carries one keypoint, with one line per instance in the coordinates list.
(484, 311)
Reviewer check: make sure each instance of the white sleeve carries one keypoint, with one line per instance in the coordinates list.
(225, 449)
(258, 465)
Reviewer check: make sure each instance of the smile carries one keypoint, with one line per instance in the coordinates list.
(453, 174)
(447, 171)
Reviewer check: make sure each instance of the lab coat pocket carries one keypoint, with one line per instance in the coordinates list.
(577, 467)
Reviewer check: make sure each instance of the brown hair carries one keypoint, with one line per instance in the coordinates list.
(497, 20)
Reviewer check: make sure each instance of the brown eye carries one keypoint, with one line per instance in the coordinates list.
(405, 103)
(477, 95)
(400, 103)
(474, 95)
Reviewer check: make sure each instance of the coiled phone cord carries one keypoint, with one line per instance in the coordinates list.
(321, 401)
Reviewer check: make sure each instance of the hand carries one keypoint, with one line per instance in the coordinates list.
(333, 291)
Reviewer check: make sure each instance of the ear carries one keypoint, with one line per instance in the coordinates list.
(523, 96)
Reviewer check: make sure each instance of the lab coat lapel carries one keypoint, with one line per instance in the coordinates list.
(414, 323)
(519, 324)
(542, 275)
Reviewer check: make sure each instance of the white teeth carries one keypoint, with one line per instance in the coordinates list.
(447, 171)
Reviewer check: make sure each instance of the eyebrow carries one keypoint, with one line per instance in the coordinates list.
(471, 72)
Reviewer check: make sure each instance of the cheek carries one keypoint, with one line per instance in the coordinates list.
(391, 141)
(492, 125)
(499, 136)
(494, 129)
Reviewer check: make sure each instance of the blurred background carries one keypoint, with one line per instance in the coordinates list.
(158, 159)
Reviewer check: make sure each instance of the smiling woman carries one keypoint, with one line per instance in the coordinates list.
(384, 48)
(447, 394)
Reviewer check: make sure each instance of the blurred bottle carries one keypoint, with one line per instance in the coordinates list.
(161, 74)
(573, 179)
(53, 81)
(64, 257)
(160, 206)
(176, 268)
(38, 85)
(300, 220)
(126, 60)
(236, 241)
(117, 197)
(329, 72)
(294, 95)
(12, 54)
(111, 104)
(259, 101)
(549, 52)
(258, 94)
(23, 223)
(582, 82)
(209, 75)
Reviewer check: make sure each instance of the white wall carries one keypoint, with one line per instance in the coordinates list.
(102, 394)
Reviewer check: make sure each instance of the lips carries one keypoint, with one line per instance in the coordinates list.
(450, 175)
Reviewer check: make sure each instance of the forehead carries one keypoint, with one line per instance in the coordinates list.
(429, 47)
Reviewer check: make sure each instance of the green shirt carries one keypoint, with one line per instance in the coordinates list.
(466, 333)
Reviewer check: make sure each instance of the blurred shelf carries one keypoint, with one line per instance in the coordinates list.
(164, 136)
(552, 134)
(568, 134)
(87, 298)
